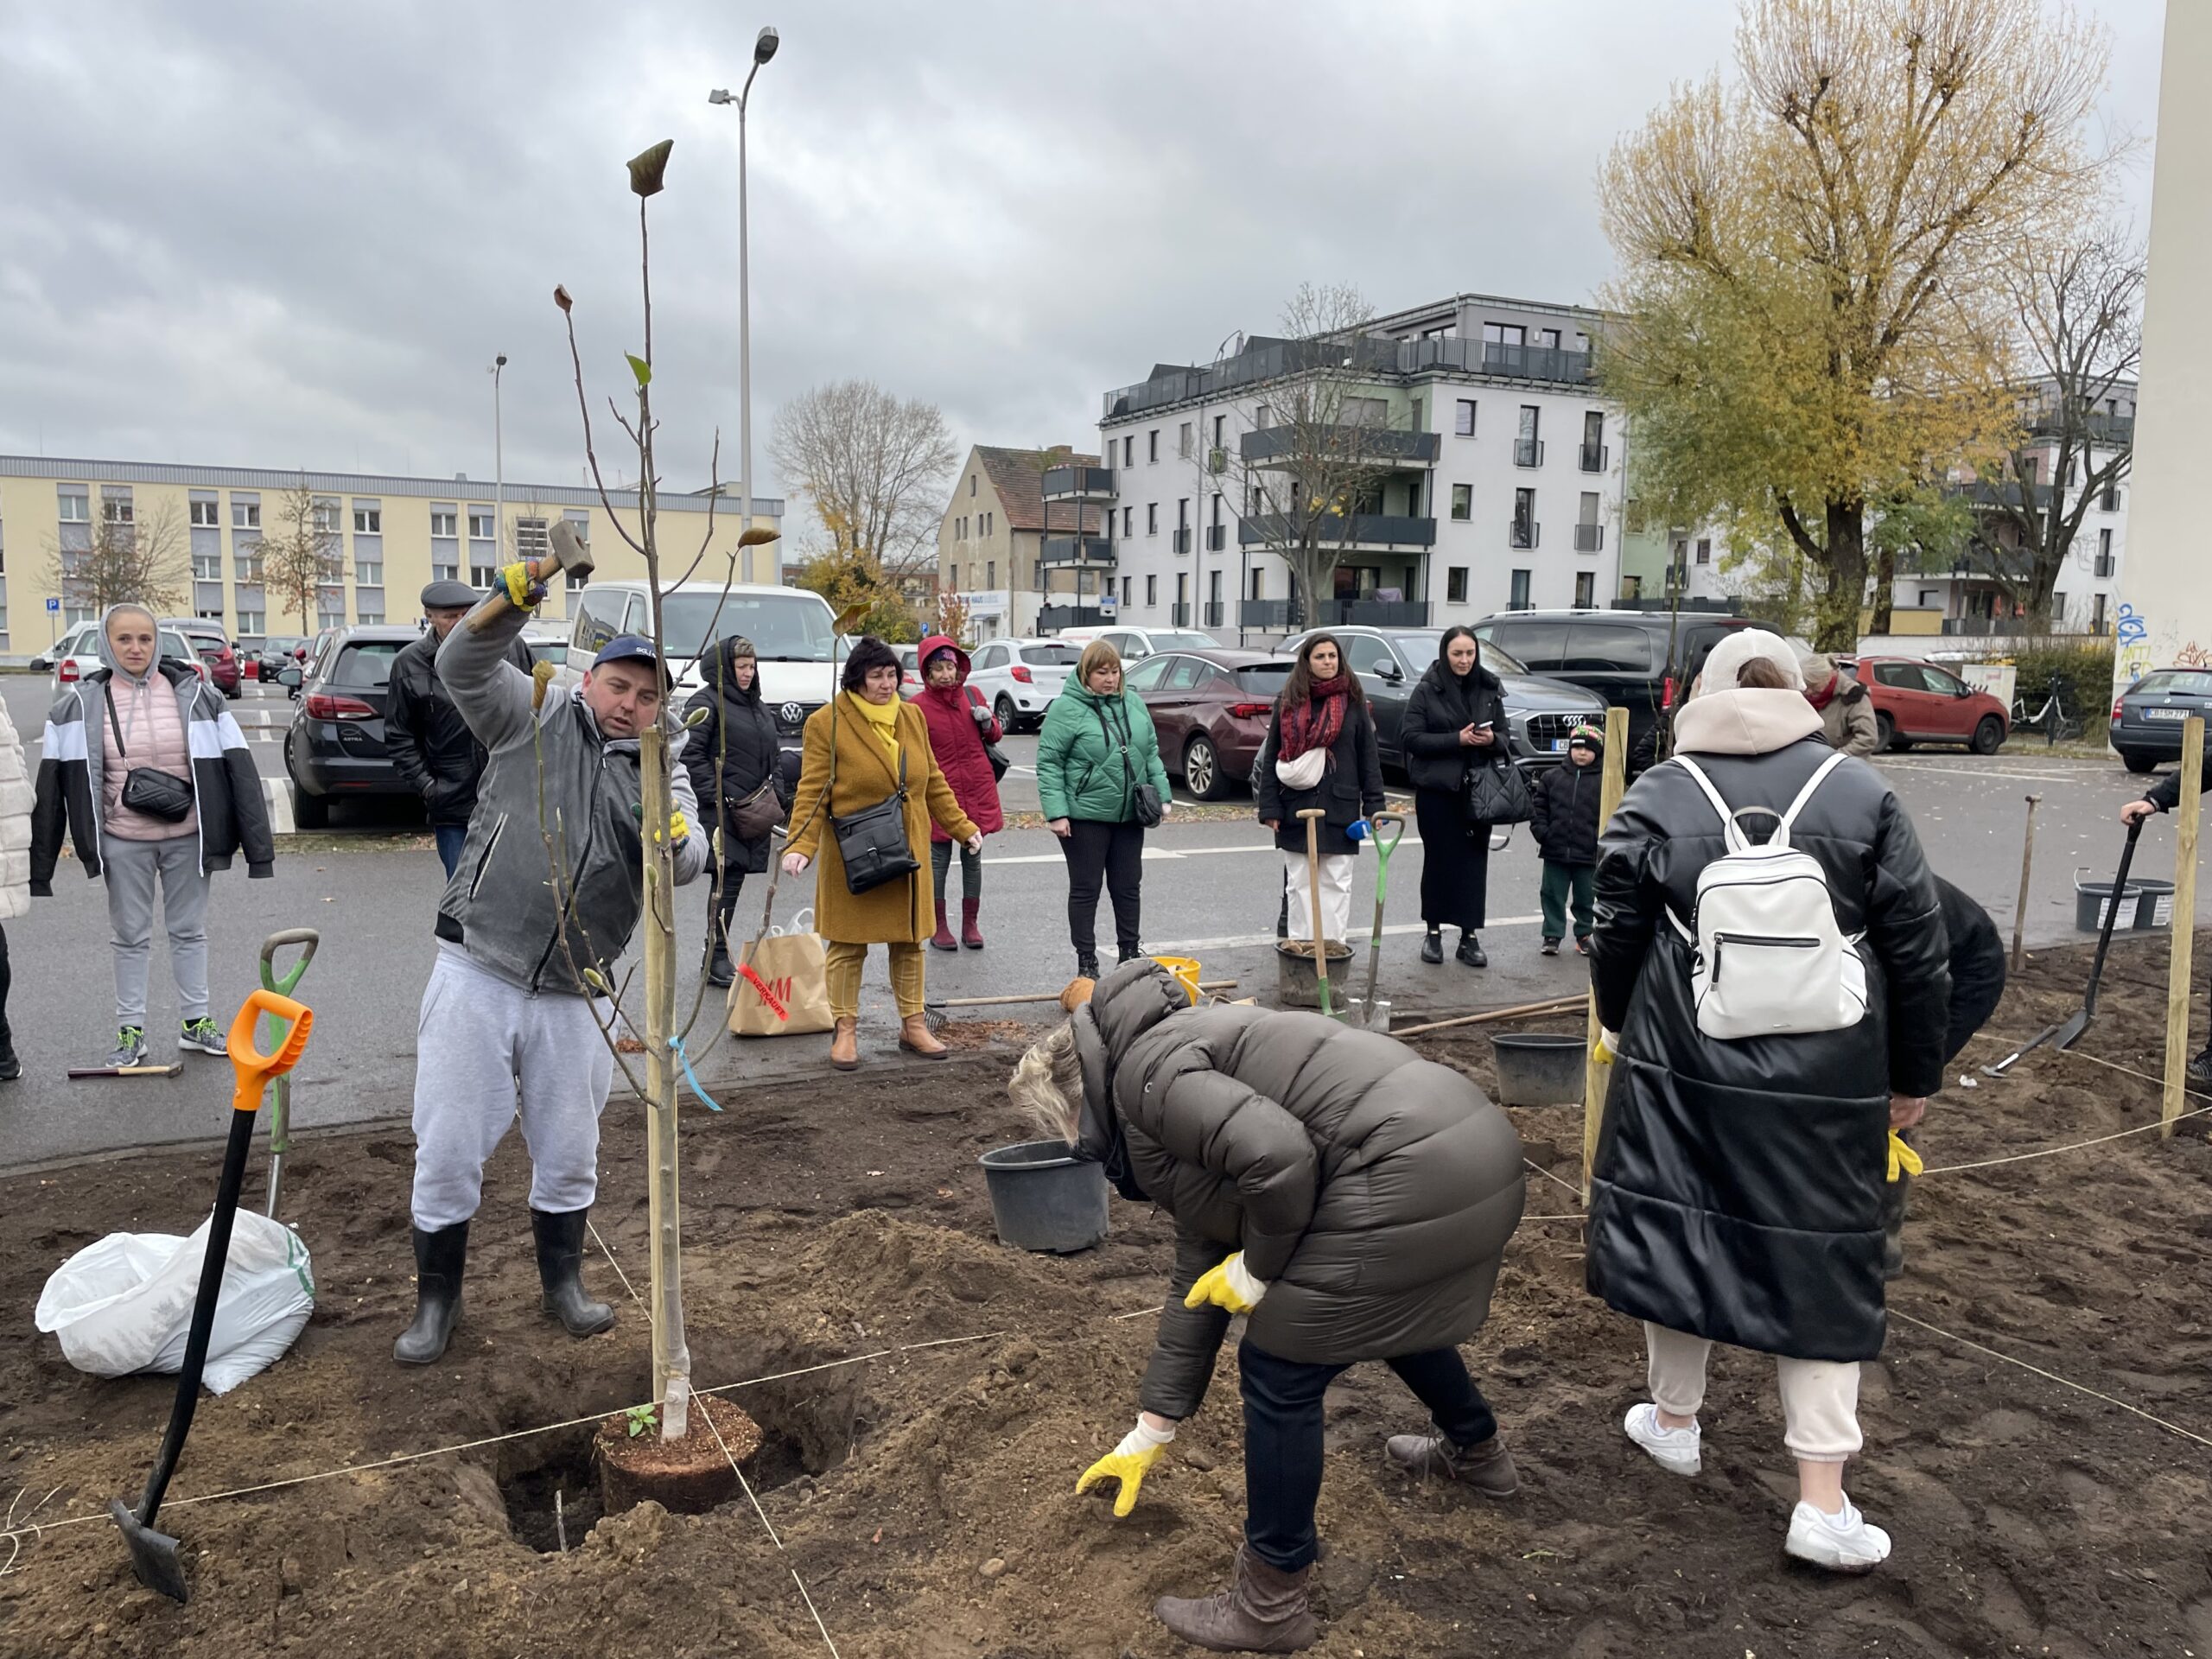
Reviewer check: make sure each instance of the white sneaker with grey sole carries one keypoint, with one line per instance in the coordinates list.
(1675, 1450)
(1845, 1542)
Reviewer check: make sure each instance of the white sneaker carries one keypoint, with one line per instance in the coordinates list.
(1675, 1450)
(1842, 1544)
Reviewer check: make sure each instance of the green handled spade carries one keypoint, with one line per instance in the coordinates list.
(280, 1091)
(1383, 849)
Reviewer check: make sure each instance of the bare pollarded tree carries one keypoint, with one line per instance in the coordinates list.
(873, 465)
(125, 558)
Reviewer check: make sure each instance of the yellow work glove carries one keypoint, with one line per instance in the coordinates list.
(679, 827)
(520, 588)
(1608, 1048)
(1229, 1285)
(1902, 1158)
(1127, 1463)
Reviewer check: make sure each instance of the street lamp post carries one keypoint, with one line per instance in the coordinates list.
(498, 468)
(763, 48)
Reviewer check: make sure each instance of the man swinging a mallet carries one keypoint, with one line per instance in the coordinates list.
(547, 889)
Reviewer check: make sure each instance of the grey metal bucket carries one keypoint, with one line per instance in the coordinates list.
(2092, 898)
(1534, 1068)
(1044, 1198)
(2156, 908)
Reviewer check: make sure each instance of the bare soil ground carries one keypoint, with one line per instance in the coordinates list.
(926, 1499)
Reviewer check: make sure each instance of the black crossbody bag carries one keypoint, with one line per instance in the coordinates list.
(148, 789)
(1144, 797)
(871, 842)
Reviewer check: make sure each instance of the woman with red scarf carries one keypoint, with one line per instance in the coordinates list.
(1320, 752)
(960, 725)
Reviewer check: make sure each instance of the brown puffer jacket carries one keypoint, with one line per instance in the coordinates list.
(1372, 1190)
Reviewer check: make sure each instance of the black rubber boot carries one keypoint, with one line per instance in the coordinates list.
(720, 970)
(439, 1258)
(10, 1067)
(1432, 946)
(560, 1269)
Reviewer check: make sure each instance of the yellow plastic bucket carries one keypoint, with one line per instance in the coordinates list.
(1186, 969)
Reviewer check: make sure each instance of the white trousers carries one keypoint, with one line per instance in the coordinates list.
(1336, 894)
(1819, 1398)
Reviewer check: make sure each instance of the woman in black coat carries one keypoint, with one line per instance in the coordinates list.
(1322, 712)
(1736, 1194)
(730, 754)
(1455, 716)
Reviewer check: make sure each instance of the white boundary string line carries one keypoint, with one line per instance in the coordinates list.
(2077, 1146)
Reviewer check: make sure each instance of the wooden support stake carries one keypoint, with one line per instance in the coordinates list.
(1490, 1016)
(2188, 810)
(2020, 904)
(1598, 1074)
(663, 1205)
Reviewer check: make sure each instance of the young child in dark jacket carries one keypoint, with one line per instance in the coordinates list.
(1565, 823)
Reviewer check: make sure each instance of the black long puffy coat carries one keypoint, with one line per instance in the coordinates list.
(1440, 705)
(1737, 1193)
(431, 745)
(1372, 1190)
(1350, 789)
(731, 753)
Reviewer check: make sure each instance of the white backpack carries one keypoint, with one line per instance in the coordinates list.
(1771, 960)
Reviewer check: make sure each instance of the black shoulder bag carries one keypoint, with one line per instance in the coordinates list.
(1144, 797)
(148, 789)
(871, 842)
(1497, 790)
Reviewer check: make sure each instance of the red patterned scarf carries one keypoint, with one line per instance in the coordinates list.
(1315, 725)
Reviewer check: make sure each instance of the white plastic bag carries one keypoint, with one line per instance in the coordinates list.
(123, 1304)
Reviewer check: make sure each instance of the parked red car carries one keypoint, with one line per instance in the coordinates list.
(1918, 702)
(1210, 710)
(213, 648)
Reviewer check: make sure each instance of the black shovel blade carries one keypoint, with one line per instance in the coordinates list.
(154, 1555)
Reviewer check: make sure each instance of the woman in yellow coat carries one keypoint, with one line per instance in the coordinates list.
(874, 734)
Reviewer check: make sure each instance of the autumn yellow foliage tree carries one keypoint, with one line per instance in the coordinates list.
(1812, 256)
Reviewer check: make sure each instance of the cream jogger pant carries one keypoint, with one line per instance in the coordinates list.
(1336, 893)
(1819, 1398)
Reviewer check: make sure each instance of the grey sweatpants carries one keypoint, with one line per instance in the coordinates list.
(478, 1036)
(130, 868)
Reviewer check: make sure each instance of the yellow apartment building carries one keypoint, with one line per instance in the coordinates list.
(387, 537)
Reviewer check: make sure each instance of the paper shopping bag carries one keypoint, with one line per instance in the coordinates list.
(790, 966)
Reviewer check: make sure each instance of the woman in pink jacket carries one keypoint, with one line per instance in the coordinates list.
(960, 725)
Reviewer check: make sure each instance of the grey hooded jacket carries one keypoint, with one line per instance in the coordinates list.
(1373, 1190)
(550, 879)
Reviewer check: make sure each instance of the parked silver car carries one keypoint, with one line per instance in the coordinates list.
(1539, 712)
(1019, 677)
(77, 653)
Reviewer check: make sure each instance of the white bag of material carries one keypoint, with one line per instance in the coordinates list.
(123, 1304)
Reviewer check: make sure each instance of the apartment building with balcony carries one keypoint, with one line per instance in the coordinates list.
(1021, 541)
(1486, 474)
(386, 537)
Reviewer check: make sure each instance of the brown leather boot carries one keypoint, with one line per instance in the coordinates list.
(1263, 1611)
(914, 1037)
(1487, 1466)
(845, 1045)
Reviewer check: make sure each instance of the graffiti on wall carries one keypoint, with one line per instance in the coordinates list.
(2132, 635)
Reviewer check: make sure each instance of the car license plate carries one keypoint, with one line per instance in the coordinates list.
(2167, 713)
(1559, 745)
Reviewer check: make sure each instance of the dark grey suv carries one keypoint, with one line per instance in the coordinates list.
(2147, 718)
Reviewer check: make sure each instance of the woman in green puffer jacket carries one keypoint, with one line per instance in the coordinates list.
(1096, 747)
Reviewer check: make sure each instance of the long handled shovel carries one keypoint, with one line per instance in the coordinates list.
(1383, 848)
(2064, 1034)
(280, 1093)
(1313, 815)
(154, 1554)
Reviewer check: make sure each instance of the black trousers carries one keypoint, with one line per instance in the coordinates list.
(1454, 860)
(1975, 997)
(719, 914)
(1282, 1438)
(1107, 853)
(6, 980)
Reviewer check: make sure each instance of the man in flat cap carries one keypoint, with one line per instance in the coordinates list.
(424, 733)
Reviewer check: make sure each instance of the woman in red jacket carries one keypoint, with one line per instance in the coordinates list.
(960, 725)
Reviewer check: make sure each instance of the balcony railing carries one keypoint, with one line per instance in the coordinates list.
(1375, 445)
(1178, 616)
(1183, 540)
(1361, 529)
(1487, 356)
(1589, 538)
(1282, 615)
(1214, 612)
(1594, 457)
(2111, 431)
(1524, 532)
(1053, 618)
(1077, 549)
(1269, 615)
(1527, 452)
(1079, 483)
(1366, 355)
(1217, 537)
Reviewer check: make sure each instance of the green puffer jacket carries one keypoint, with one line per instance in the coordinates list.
(1079, 771)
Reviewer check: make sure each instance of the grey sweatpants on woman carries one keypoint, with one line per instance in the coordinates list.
(130, 868)
(478, 1036)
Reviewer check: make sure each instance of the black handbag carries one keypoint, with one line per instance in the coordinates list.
(1498, 793)
(996, 756)
(1144, 797)
(757, 814)
(871, 842)
(148, 789)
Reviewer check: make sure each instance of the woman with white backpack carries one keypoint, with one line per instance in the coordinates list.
(1778, 977)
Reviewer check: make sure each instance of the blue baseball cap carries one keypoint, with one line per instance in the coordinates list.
(626, 648)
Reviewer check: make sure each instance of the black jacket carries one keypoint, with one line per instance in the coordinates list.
(731, 753)
(1373, 1190)
(1440, 704)
(1977, 966)
(1565, 819)
(2165, 794)
(1350, 788)
(430, 744)
(1737, 1193)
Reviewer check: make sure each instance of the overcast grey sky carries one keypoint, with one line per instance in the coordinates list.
(281, 235)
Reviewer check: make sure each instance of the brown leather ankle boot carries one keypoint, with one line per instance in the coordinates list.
(914, 1037)
(845, 1045)
(1263, 1611)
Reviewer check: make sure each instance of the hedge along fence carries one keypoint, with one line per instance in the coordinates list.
(2083, 671)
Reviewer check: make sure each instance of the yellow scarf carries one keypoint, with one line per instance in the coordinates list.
(883, 717)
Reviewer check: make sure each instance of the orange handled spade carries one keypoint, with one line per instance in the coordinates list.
(154, 1554)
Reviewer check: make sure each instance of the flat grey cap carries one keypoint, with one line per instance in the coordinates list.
(450, 596)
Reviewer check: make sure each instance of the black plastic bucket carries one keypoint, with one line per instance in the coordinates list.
(1534, 1068)
(2155, 909)
(2090, 899)
(1044, 1198)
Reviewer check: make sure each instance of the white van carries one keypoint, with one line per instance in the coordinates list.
(792, 629)
(1135, 643)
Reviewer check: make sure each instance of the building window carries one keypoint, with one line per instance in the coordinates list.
(990, 576)
(480, 524)
(1129, 450)
(533, 538)
(245, 562)
(1455, 585)
(1463, 501)
(1129, 522)
(1220, 427)
(368, 520)
(2110, 501)
(75, 504)
(2104, 552)
(1183, 441)
(208, 567)
(322, 517)
(1152, 444)
(1547, 339)
(368, 573)
(204, 515)
(252, 622)
(444, 521)
(115, 504)
(1526, 451)
(1259, 583)
(1517, 599)
(2097, 615)
(1586, 590)
(245, 512)
(1705, 550)
(1525, 518)
(1152, 518)
(1463, 424)
(1125, 581)
(971, 485)
(1151, 591)
(373, 618)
